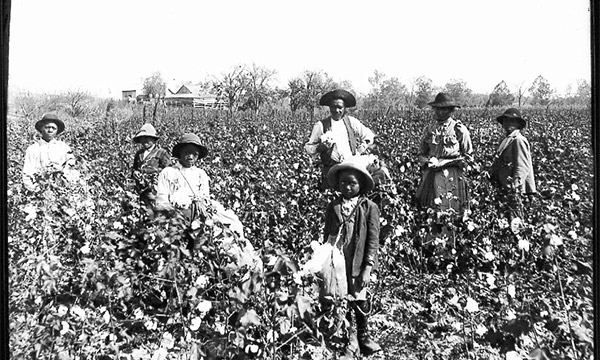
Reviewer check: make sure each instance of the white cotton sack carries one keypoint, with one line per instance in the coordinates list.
(319, 257)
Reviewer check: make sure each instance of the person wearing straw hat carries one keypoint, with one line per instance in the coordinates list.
(148, 162)
(339, 136)
(185, 186)
(48, 154)
(512, 169)
(352, 225)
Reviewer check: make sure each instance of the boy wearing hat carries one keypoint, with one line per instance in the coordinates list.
(148, 161)
(512, 169)
(352, 225)
(186, 186)
(339, 136)
(47, 154)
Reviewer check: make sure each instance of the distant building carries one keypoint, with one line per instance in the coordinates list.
(129, 94)
(193, 95)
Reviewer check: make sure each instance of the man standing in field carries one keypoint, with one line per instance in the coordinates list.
(512, 169)
(339, 136)
(47, 154)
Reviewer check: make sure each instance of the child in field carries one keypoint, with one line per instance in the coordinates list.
(47, 154)
(185, 186)
(148, 161)
(352, 225)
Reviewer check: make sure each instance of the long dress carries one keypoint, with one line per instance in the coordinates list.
(445, 187)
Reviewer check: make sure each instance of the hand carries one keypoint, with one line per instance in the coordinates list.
(433, 163)
(363, 279)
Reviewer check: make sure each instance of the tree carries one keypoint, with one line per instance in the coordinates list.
(583, 93)
(386, 93)
(541, 92)
(458, 90)
(154, 85)
(232, 86)
(76, 103)
(306, 90)
(258, 87)
(501, 95)
(422, 88)
(520, 93)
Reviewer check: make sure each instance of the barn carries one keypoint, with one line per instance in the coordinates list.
(193, 95)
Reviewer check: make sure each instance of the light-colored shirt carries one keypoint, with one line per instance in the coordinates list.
(44, 156)
(178, 185)
(341, 149)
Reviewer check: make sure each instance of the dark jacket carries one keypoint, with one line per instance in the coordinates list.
(157, 160)
(366, 231)
(514, 162)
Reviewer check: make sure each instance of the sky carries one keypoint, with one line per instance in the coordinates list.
(104, 47)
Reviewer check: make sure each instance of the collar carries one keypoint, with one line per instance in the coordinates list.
(180, 167)
(44, 142)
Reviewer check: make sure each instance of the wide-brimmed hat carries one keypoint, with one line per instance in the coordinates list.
(146, 130)
(333, 174)
(349, 99)
(50, 117)
(189, 139)
(444, 100)
(512, 113)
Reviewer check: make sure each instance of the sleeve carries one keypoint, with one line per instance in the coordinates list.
(164, 159)
(314, 141)
(423, 155)
(29, 167)
(521, 162)
(327, 230)
(162, 190)
(364, 134)
(372, 243)
(136, 162)
(466, 146)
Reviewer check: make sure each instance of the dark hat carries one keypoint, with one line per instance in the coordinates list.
(50, 117)
(512, 113)
(146, 130)
(349, 99)
(189, 139)
(333, 174)
(443, 100)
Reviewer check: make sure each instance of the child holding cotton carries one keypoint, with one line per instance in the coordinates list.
(352, 225)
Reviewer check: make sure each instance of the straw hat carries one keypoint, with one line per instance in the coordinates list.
(146, 130)
(333, 174)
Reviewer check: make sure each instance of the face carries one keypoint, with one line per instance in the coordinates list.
(49, 131)
(349, 184)
(442, 113)
(337, 109)
(189, 155)
(147, 142)
(510, 125)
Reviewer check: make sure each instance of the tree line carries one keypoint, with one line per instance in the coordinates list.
(252, 87)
